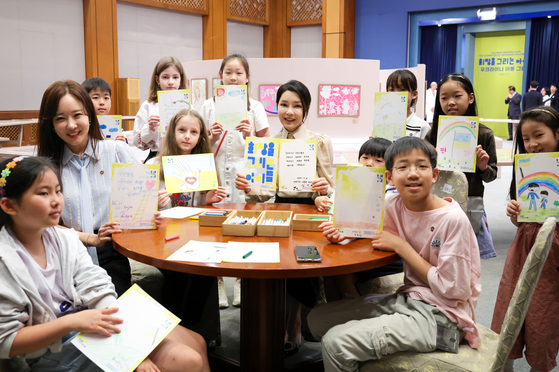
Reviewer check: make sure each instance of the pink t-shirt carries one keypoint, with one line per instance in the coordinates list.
(445, 239)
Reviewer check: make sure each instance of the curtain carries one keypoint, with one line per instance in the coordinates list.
(438, 51)
(543, 58)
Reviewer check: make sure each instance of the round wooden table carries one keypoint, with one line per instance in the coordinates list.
(263, 284)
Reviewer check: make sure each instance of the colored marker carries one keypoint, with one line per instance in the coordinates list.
(172, 237)
(246, 255)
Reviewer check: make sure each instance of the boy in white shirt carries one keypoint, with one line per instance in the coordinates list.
(441, 266)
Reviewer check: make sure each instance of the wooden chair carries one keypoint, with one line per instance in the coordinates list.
(492, 354)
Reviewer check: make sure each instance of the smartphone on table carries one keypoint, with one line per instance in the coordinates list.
(307, 253)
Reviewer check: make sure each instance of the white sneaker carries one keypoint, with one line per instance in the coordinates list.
(223, 302)
(237, 293)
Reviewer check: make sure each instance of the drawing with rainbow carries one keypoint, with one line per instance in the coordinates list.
(537, 186)
(456, 143)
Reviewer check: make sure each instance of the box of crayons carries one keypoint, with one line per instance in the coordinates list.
(213, 217)
(275, 223)
(309, 222)
(241, 223)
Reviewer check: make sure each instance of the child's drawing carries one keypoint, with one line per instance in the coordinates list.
(198, 89)
(391, 111)
(359, 200)
(111, 125)
(339, 100)
(171, 101)
(261, 162)
(215, 82)
(186, 173)
(134, 189)
(230, 105)
(268, 95)
(456, 143)
(537, 185)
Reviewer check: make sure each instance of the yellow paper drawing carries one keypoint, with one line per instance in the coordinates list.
(134, 189)
(187, 173)
(171, 101)
(139, 334)
(359, 200)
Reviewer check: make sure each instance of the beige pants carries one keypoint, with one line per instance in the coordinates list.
(368, 327)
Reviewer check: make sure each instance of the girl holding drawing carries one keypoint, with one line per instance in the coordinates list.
(70, 136)
(293, 102)
(455, 97)
(47, 278)
(405, 81)
(187, 135)
(229, 146)
(168, 74)
(538, 131)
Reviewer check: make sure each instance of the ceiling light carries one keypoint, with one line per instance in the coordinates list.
(487, 14)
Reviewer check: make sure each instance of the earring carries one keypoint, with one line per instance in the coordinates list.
(53, 130)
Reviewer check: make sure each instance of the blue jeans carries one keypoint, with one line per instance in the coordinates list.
(70, 359)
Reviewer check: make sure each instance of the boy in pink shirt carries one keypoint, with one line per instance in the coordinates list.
(435, 306)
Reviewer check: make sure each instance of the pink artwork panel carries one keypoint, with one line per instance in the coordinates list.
(268, 95)
(339, 100)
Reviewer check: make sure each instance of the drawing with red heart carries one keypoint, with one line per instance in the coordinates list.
(190, 180)
(150, 184)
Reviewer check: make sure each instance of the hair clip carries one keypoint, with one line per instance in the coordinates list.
(6, 172)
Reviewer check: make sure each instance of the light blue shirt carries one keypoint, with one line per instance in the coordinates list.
(99, 165)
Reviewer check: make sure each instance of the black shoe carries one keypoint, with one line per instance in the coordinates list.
(290, 349)
(509, 139)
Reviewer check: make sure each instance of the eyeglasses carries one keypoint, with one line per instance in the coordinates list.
(403, 170)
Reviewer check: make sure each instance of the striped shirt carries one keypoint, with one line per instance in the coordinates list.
(99, 174)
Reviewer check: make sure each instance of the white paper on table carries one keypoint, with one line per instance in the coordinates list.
(171, 101)
(261, 252)
(139, 334)
(297, 165)
(230, 105)
(181, 212)
(134, 189)
(359, 201)
(195, 251)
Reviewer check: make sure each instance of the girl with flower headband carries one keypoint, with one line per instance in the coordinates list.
(69, 134)
(455, 97)
(49, 287)
(538, 131)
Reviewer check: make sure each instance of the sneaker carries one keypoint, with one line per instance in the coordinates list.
(223, 302)
(237, 293)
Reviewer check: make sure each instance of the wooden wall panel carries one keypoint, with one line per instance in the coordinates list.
(304, 12)
(277, 36)
(192, 6)
(29, 131)
(338, 28)
(215, 30)
(101, 43)
(250, 11)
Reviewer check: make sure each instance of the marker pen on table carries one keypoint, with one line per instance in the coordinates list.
(246, 255)
(172, 237)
